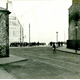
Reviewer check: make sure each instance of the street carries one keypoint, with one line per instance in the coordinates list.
(43, 64)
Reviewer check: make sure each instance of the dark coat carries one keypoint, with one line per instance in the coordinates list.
(54, 46)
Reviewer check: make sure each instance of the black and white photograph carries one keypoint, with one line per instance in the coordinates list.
(39, 39)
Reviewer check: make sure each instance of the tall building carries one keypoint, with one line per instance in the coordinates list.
(16, 31)
(74, 20)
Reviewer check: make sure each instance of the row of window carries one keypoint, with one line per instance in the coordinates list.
(13, 23)
(14, 33)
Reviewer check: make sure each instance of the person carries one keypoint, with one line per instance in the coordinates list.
(54, 48)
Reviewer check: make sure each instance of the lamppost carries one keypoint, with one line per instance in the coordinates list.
(76, 40)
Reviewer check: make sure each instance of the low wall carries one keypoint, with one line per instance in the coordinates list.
(72, 44)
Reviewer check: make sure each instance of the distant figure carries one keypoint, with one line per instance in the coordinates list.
(54, 48)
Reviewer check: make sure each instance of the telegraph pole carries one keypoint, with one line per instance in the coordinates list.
(64, 35)
(20, 35)
(29, 34)
(57, 38)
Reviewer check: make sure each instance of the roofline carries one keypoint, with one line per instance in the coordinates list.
(5, 11)
(70, 7)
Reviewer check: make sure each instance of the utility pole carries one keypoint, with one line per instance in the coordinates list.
(64, 35)
(57, 38)
(29, 34)
(76, 40)
(20, 35)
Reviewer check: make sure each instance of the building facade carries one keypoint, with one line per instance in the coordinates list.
(16, 31)
(74, 24)
(74, 20)
(4, 32)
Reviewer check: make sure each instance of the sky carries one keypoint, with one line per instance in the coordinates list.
(46, 17)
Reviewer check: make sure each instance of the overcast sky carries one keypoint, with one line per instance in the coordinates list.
(46, 17)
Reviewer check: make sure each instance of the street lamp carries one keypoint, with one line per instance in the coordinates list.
(76, 40)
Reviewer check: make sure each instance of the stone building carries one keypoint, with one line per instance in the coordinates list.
(16, 31)
(4, 32)
(74, 20)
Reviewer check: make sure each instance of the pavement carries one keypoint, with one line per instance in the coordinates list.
(8, 60)
(12, 58)
(64, 49)
(5, 75)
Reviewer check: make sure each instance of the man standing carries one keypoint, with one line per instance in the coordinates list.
(54, 48)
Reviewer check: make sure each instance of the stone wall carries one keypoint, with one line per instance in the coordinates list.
(74, 19)
(3, 34)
